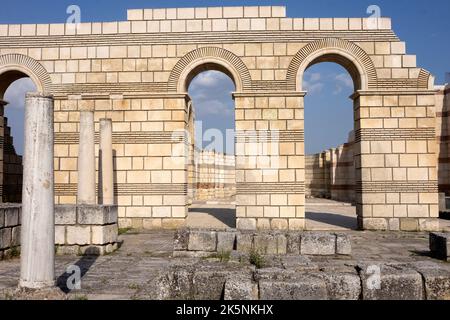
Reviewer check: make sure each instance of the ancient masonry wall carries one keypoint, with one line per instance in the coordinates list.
(215, 176)
(331, 174)
(12, 168)
(79, 230)
(443, 137)
(136, 73)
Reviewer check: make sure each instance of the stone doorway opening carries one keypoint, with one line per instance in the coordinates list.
(211, 165)
(329, 148)
(13, 87)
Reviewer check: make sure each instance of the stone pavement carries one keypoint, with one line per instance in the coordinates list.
(140, 268)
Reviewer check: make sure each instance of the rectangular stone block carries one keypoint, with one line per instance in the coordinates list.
(97, 215)
(226, 241)
(60, 235)
(244, 242)
(102, 235)
(5, 238)
(78, 235)
(202, 241)
(318, 244)
(65, 215)
(305, 287)
(265, 244)
(343, 244)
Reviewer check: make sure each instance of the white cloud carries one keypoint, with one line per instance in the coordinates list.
(345, 79)
(15, 94)
(314, 77)
(213, 107)
(208, 79)
(313, 88)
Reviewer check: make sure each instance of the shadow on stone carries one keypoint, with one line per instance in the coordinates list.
(85, 263)
(334, 219)
(226, 216)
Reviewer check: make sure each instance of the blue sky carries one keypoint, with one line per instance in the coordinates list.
(423, 25)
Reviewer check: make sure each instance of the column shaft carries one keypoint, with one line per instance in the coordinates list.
(38, 219)
(86, 159)
(107, 168)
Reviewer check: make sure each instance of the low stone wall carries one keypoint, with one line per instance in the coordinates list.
(205, 242)
(90, 230)
(86, 229)
(9, 230)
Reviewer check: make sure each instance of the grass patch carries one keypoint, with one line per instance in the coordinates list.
(14, 252)
(256, 259)
(223, 256)
(81, 297)
(123, 230)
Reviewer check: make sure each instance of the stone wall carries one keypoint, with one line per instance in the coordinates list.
(136, 72)
(443, 137)
(12, 168)
(79, 230)
(202, 243)
(331, 174)
(215, 176)
(9, 230)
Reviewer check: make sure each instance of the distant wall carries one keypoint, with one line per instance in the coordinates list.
(331, 174)
(12, 168)
(215, 176)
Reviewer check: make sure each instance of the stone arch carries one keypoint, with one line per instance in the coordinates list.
(209, 58)
(15, 66)
(347, 54)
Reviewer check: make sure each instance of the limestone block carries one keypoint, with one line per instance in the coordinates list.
(265, 244)
(318, 244)
(281, 240)
(305, 287)
(246, 224)
(97, 215)
(65, 215)
(437, 283)
(202, 241)
(181, 240)
(226, 241)
(440, 245)
(240, 287)
(375, 224)
(343, 244)
(15, 236)
(391, 278)
(293, 243)
(78, 235)
(244, 242)
(5, 238)
(60, 235)
(2, 218)
(104, 234)
(342, 285)
(11, 217)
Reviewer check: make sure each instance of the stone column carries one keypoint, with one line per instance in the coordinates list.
(86, 159)
(107, 169)
(38, 217)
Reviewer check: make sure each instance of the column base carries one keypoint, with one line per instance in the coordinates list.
(36, 285)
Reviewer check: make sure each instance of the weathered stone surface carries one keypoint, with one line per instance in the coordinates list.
(15, 236)
(305, 287)
(390, 282)
(102, 235)
(78, 235)
(202, 241)
(96, 215)
(440, 245)
(293, 243)
(240, 287)
(65, 215)
(244, 242)
(5, 238)
(342, 286)
(437, 283)
(226, 241)
(318, 244)
(60, 235)
(181, 240)
(281, 244)
(298, 263)
(11, 217)
(343, 244)
(265, 243)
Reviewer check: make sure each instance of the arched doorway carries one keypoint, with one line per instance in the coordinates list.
(342, 174)
(329, 143)
(211, 163)
(14, 85)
